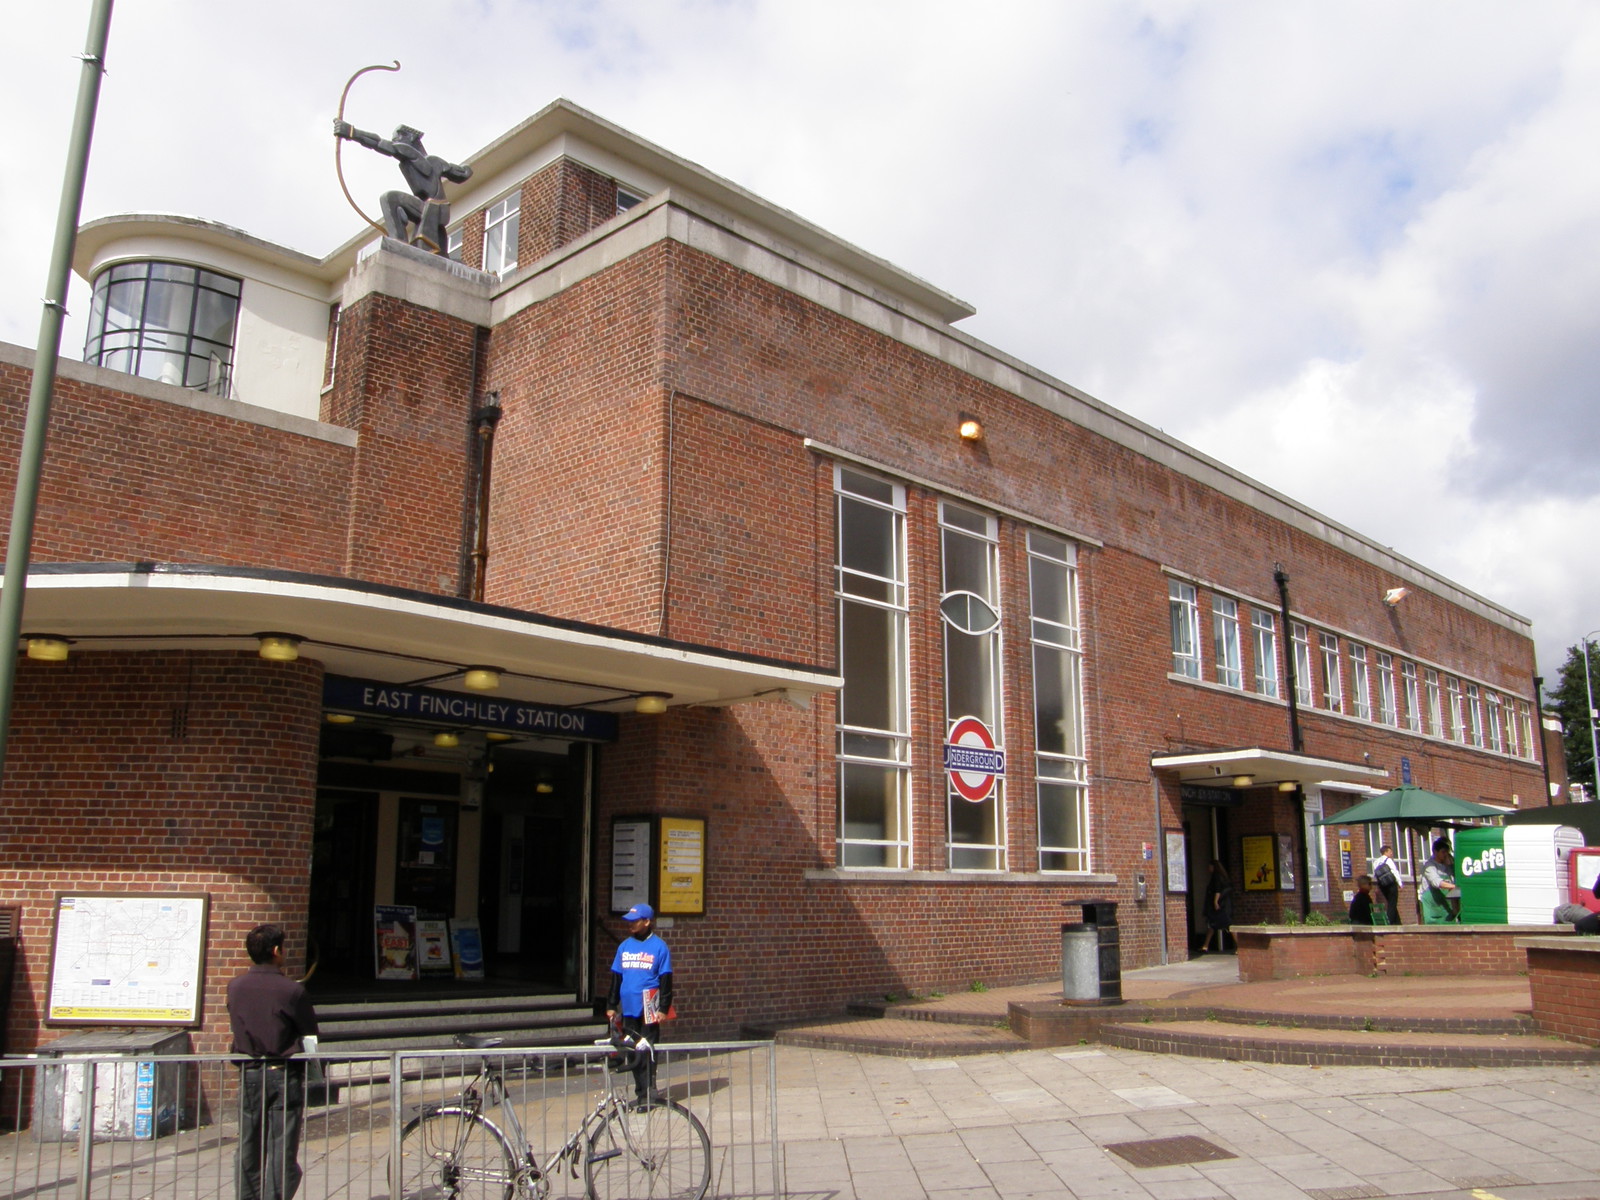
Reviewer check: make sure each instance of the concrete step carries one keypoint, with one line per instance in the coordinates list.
(1341, 1047)
(400, 1007)
(891, 1035)
(443, 1038)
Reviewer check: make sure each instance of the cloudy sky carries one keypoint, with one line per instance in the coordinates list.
(1350, 248)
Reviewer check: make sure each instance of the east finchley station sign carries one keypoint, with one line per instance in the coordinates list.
(428, 704)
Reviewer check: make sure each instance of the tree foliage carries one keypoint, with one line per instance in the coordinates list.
(1570, 698)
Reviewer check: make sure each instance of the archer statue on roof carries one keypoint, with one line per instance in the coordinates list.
(423, 214)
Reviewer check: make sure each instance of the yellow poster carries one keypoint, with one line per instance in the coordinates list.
(1260, 864)
(681, 868)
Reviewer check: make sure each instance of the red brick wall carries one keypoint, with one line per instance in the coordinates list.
(160, 772)
(128, 478)
(1447, 950)
(561, 203)
(406, 384)
(1566, 994)
(577, 527)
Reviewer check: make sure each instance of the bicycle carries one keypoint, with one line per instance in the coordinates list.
(627, 1151)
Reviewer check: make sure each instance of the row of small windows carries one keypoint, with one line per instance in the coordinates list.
(876, 809)
(1381, 690)
(165, 321)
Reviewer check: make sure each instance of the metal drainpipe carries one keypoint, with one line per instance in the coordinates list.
(1538, 741)
(1282, 580)
(484, 420)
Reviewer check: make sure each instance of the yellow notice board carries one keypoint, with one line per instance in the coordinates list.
(1260, 864)
(681, 868)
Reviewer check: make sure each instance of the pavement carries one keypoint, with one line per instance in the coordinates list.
(1078, 1122)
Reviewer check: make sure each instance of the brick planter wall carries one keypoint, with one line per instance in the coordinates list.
(1285, 952)
(1564, 979)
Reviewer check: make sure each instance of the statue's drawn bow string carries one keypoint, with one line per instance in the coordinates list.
(338, 142)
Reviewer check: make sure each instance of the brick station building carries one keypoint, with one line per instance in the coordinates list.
(653, 443)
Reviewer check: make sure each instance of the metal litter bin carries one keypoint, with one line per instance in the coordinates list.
(135, 1094)
(1091, 956)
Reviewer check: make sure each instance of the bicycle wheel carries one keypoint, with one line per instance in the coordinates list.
(453, 1153)
(655, 1153)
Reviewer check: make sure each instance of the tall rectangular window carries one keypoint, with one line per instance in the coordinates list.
(1302, 664)
(1513, 743)
(1386, 834)
(970, 605)
(1264, 637)
(1184, 610)
(454, 239)
(1360, 686)
(1225, 641)
(874, 743)
(1430, 681)
(1496, 736)
(1408, 677)
(1387, 712)
(501, 223)
(1332, 687)
(1059, 764)
(1474, 708)
(1458, 725)
(1525, 719)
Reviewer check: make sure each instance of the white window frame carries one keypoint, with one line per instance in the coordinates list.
(1332, 673)
(1360, 685)
(1264, 643)
(895, 848)
(1474, 715)
(1183, 609)
(1385, 833)
(1388, 713)
(1225, 642)
(964, 856)
(1408, 678)
(1496, 736)
(1316, 846)
(1430, 683)
(503, 213)
(1069, 772)
(454, 240)
(1304, 684)
(1458, 724)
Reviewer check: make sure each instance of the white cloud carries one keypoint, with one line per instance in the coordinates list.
(1331, 240)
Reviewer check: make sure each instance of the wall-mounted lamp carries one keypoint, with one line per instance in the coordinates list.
(544, 787)
(340, 719)
(1288, 785)
(1243, 781)
(481, 679)
(1394, 595)
(46, 647)
(970, 429)
(651, 703)
(498, 735)
(279, 647)
(447, 739)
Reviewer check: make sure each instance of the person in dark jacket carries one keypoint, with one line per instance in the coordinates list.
(1219, 908)
(1361, 904)
(269, 1014)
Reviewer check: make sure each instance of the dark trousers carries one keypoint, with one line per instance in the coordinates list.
(272, 1098)
(1391, 901)
(644, 1070)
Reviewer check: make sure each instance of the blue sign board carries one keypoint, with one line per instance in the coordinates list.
(427, 704)
(1405, 769)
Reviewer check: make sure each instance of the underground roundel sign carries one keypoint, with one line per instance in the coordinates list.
(972, 760)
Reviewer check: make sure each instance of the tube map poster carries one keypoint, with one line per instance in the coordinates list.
(128, 958)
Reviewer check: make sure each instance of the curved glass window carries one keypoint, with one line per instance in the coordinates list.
(165, 321)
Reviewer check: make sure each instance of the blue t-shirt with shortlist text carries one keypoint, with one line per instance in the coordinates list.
(641, 965)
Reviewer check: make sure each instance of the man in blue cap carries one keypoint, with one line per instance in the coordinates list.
(641, 992)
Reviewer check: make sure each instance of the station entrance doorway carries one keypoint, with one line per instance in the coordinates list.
(483, 833)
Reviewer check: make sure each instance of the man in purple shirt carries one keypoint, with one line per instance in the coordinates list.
(270, 1013)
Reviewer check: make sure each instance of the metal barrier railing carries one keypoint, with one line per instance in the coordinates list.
(124, 1128)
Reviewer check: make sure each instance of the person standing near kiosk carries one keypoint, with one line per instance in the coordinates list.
(641, 992)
